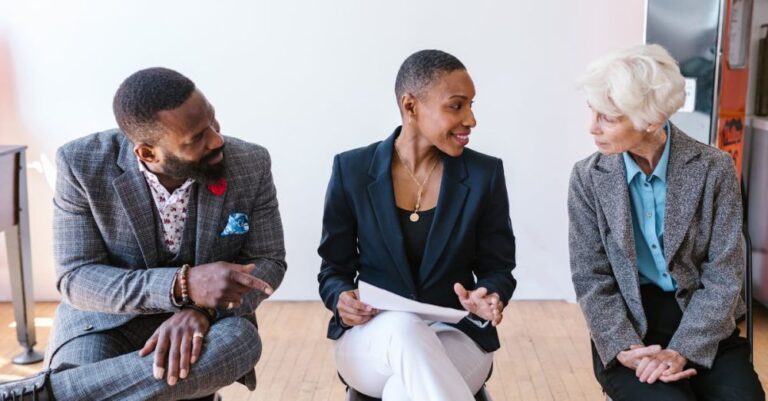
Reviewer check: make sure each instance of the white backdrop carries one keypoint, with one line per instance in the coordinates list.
(309, 79)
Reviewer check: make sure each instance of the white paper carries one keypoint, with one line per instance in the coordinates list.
(690, 95)
(385, 300)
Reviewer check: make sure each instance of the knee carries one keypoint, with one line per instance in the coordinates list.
(84, 350)
(406, 328)
(241, 344)
(676, 391)
(398, 320)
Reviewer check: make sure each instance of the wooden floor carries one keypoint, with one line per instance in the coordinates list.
(544, 354)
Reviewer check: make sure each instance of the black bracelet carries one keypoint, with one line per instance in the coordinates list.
(209, 313)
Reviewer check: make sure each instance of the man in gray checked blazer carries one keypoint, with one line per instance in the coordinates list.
(133, 206)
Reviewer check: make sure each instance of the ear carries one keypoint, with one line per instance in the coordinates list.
(408, 106)
(145, 153)
(651, 128)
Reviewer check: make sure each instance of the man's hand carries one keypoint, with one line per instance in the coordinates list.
(353, 312)
(479, 302)
(221, 284)
(179, 340)
(666, 365)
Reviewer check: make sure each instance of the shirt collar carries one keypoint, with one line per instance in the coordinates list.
(152, 178)
(660, 171)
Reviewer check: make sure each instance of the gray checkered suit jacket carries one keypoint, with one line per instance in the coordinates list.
(703, 248)
(105, 234)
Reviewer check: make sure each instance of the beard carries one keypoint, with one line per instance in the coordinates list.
(201, 170)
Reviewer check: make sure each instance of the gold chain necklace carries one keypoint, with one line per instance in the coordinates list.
(420, 187)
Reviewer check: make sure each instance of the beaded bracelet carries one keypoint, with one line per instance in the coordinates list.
(186, 301)
(182, 276)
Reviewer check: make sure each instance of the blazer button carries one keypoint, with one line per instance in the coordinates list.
(88, 328)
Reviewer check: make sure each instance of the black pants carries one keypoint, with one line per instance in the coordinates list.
(731, 378)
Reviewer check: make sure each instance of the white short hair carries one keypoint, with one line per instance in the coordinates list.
(643, 83)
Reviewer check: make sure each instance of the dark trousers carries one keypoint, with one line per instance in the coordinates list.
(731, 378)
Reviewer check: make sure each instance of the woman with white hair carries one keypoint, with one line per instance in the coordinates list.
(657, 254)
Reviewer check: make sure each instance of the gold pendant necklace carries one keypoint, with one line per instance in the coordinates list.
(414, 217)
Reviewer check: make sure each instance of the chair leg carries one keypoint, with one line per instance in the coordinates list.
(353, 395)
(213, 397)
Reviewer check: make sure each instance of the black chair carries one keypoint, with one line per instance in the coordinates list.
(213, 397)
(748, 272)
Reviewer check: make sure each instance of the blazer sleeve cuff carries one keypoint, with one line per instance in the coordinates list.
(703, 356)
(609, 350)
(494, 289)
(159, 284)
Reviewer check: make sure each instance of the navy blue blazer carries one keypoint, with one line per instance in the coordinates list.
(471, 234)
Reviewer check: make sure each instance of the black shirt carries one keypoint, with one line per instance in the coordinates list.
(415, 236)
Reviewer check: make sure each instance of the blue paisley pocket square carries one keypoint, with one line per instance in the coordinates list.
(237, 225)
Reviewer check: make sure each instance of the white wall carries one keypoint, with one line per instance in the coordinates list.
(309, 79)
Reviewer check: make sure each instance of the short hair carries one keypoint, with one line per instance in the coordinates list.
(145, 93)
(643, 83)
(420, 70)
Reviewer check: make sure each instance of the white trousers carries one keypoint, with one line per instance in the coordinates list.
(397, 356)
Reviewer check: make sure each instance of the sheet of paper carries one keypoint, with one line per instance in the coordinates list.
(690, 95)
(385, 300)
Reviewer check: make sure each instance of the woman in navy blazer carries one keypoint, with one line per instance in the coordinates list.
(391, 221)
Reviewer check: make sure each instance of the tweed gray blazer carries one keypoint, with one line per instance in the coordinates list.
(703, 248)
(105, 234)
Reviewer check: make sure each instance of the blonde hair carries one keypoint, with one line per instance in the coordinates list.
(643, 83)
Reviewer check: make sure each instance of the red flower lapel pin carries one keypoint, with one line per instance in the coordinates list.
(219, 187)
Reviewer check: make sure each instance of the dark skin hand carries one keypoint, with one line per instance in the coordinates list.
(353, 312)
(481, 303)
(218, 284)
(175, 342)
(488, 306)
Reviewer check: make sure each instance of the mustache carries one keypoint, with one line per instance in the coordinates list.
(214, 154)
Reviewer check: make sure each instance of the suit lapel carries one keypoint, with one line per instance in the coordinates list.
(450, 204)
(210, 221)
(382, 197)
(685, 182)
(132, 190)
(613, 194)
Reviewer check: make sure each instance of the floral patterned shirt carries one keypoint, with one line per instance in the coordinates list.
(172, 208)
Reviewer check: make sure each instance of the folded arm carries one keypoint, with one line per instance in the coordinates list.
(496, 242)
(596, 287)
(708, 318)
(85, 277)
(338, 245)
